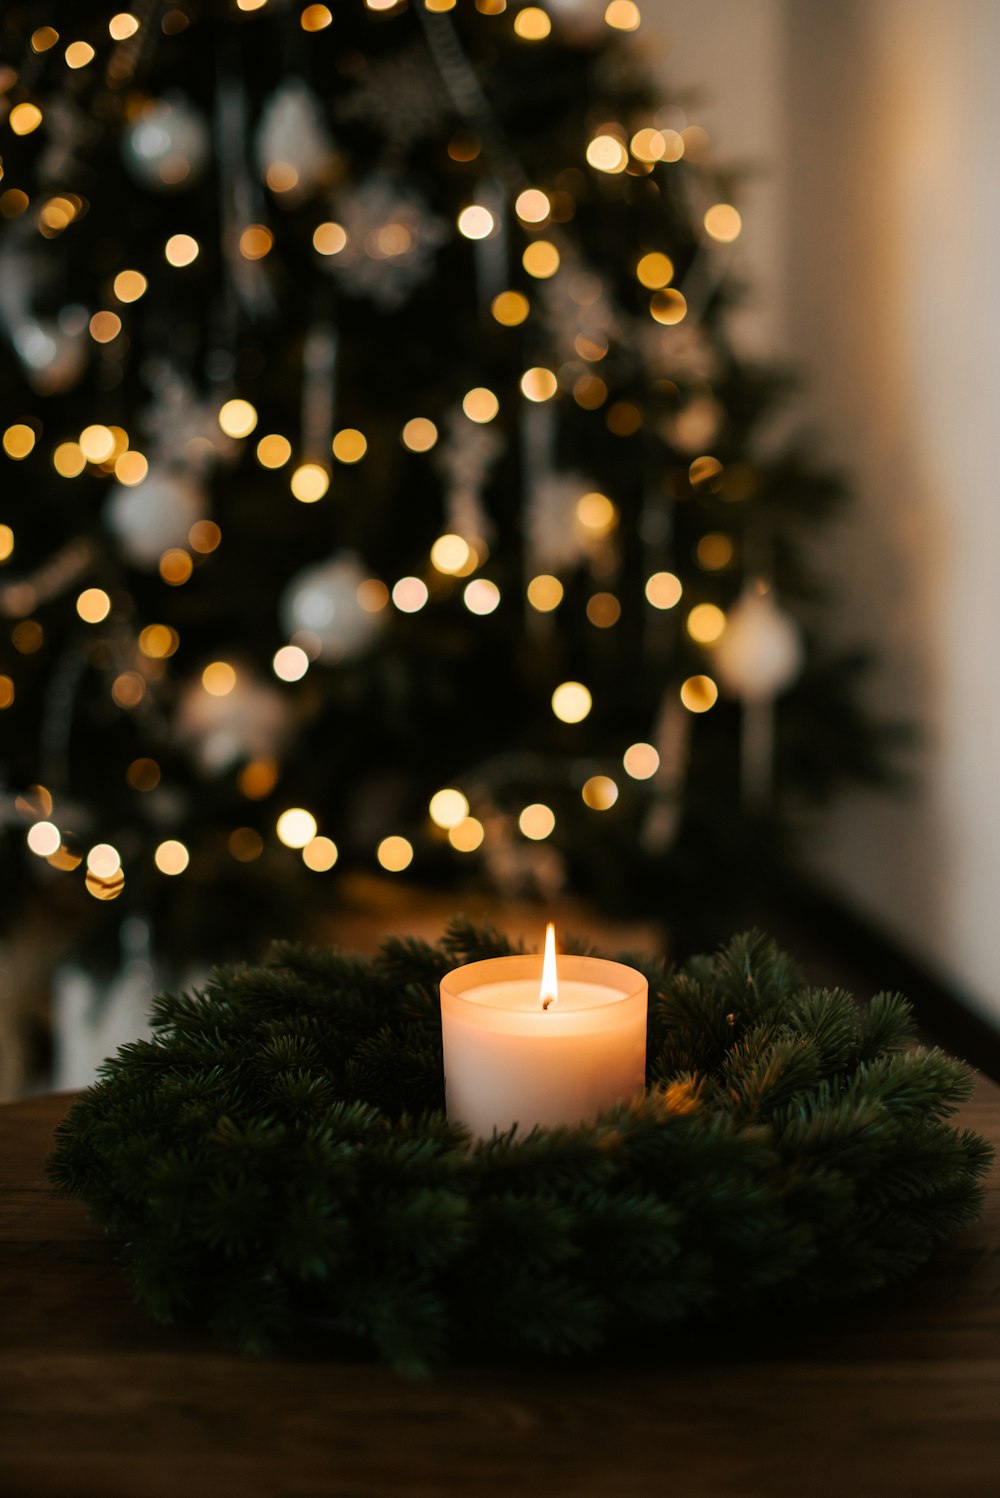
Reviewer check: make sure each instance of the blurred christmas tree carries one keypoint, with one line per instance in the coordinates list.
(381, 485)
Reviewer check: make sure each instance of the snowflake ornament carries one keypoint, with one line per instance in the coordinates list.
(392, 237)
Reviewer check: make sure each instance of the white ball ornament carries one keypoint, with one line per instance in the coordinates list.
(324, 601)
(148, 518)
(250, 721)
(760, 652)
(167, 146)
(53, 353)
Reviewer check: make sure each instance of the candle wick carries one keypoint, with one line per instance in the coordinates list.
(546, 1003)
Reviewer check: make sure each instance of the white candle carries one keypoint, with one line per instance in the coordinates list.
(515, 1052)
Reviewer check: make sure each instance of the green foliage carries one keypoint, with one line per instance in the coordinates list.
(277, 1158)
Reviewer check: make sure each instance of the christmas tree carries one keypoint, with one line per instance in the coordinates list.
(381, 486)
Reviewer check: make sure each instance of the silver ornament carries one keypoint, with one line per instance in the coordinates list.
(760, 651)
(252, 721)
(167, 146)
(323, 601)
(150, 517)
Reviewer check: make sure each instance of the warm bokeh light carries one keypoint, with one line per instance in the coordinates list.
(24, 118)
(705, 623)
(571, 702)
(541, 259)
(448, 807)
(130, 285)
(539, 384)
(296, 827)
(714, 552)
(467, 835)
(237, 418)
(655, 270)
(372, 595)
(532, 24)
(6, 692)
(105, 327)
(476, 222)
(600, 793)
(723, 223)
(44, 839)
(68, 460)
(128, 689)
(122, 26)
(641, 761)
(290, 663)
(131, 468)
(699, 693)
(181, 249)
(309, 483)
(257, 779)
(143, 774)
(97, 443)
(316, 18)
(44, 38)
(663, 590)
(545, 592)
(245, 844)
(93, 605)
(607, 154)
(532, 206)
(510, 308)
(273, 451)
(603, 610)
(706, 473)
(395, 854)
(6, 543)
(218, 679)
(204, 536)
(18, 440)
(623, 15)
(171, 857)
(105, 888)
(648, 145)
(480, 404)
(78, 54)
(104, 860)
(409, 595)
(537, 821)
(176, 566)
(281, 177)
(158, 641)
(419, 434)
(320, 854)
(596, 513)
(668, 307)
(349, 445)
(451, 554)
(256, 242)
(481, 596)
(329, 238)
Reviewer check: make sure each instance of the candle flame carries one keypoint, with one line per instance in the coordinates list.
(549, 991)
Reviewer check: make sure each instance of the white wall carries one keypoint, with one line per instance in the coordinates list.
(874, 242)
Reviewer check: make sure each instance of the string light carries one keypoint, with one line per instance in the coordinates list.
(158, 641)
(663, 590)
(476, 222)
(105, 888)
(78, 54)
(176, 566)
(44, 839)
(97, 443)
(44, 38)
(27, 637)
(668, 307)
(603, 610)
(448, 807)
(18, 440)
(641, 761)
(537, 821)
(237, 418)
(623, 419)
(309, 483)
(705, 623)
(467, 836)
(24, 118)
(93, 605)
(245, 844)
(655, 270)
(68, 460)
(372, 595)
(451, 555)
(532, 24)
(605, 153)
(571, 702)
(256, 242)
(6, 543)
(538, 384)
(128, 690)
(6, 692)
(130, 285)
(541, 259)
(349, 445)
(105, 327)
(532, 206)
(316, 18)
(13, 202)
(481, 596)
(273, 451)
(510, 308)
(394, 854)
(290, 663)
(409, 595)
(419, 434)
(706, 472)
(143, 774)
(590, 392)
(599, 793)
(296, 827)
(596, 513)
(320, 854)
(329, 239)
(723, 223)
(623, 15)
(648, 145)
(545, 593)
(181, 250)
(122, 26)
(673, 145)
(714, 552)
(104, 860)
(218, 679)
(257, 779)
(439, 5)
(699, 693)
(131, 468)
(171, 857)
(480, 404)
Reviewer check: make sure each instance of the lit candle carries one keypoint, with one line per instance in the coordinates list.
(526, 1043)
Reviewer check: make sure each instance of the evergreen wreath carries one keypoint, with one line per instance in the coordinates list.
(278, 1155)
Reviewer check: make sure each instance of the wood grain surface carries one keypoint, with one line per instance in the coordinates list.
(899, 1399)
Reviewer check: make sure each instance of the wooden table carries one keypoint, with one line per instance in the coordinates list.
(901, 1400)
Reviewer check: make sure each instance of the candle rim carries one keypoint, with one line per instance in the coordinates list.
(630, 981)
